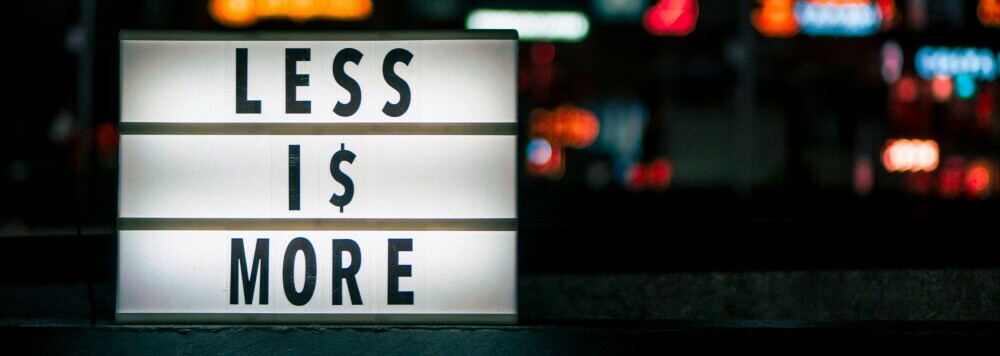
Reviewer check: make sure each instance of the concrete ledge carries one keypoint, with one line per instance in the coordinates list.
(576, 338)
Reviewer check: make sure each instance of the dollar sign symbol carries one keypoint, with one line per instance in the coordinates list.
(340, 177)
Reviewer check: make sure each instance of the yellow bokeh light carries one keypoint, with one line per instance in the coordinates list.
(243, 13)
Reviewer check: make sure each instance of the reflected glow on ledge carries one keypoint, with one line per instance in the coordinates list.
(564, 26)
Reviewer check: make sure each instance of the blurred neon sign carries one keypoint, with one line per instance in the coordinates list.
(849, 18)
(892, 62)
(904, 155)
(943, 61)
(775, 18)
(887, 11)
(989, 12)
(565, 125)
(553, 131)
(243, 13)
(671, 17)
(618, 10)
(565, 26)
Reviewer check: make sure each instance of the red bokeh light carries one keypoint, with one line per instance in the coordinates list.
(635, 177)
(887, 9)
(941, 88)
(671, 17)
(977, 179)
(984, 109)
(542, 53)
(952, 177)
(906, 89)
(658, 174)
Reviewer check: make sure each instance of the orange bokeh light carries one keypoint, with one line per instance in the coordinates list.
(989, 13)
(775, 18)
(243, 13)
(566, 125)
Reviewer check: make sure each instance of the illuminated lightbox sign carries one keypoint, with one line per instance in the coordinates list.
(348, 178)
(980, 63)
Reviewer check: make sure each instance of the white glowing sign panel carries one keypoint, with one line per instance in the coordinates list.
(302, 178)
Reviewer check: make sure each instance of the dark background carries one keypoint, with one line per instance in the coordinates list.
(761, 217)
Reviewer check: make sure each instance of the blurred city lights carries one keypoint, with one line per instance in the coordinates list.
(635, 177)
(848, 18)
(941, 88)
(989, 13)
(775, 18)
(984, 109)
(934, 61)
(658, 174)
(539, 151)
(554, 130)
(618, 10)
(545, 160)
(654, 176)
(977, 179)
(887, 11)
(906, 89)
(916, 14)
(951, 179)
(566, 125)
(563, 26)
(671, 17)
(965, 86)
(905, 155)
(243, 13)
(542, 53)
(438, 10)
(892, 61)
(598, 175)
(864, 175)
(622, 123)
(107, 142)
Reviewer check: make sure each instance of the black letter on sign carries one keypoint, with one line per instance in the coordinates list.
(243, 106)
(350, 273)
(396, 55)
(347, 55)
(396, 270)
(288, 271)
(293, 80)
(293, 177)
(239, 263)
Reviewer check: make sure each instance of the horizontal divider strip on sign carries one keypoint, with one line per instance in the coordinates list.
(409, 128)
(166, 318)
(138, 35)
(318, 224)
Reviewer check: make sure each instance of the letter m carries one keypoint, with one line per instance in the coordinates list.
(239, 264)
